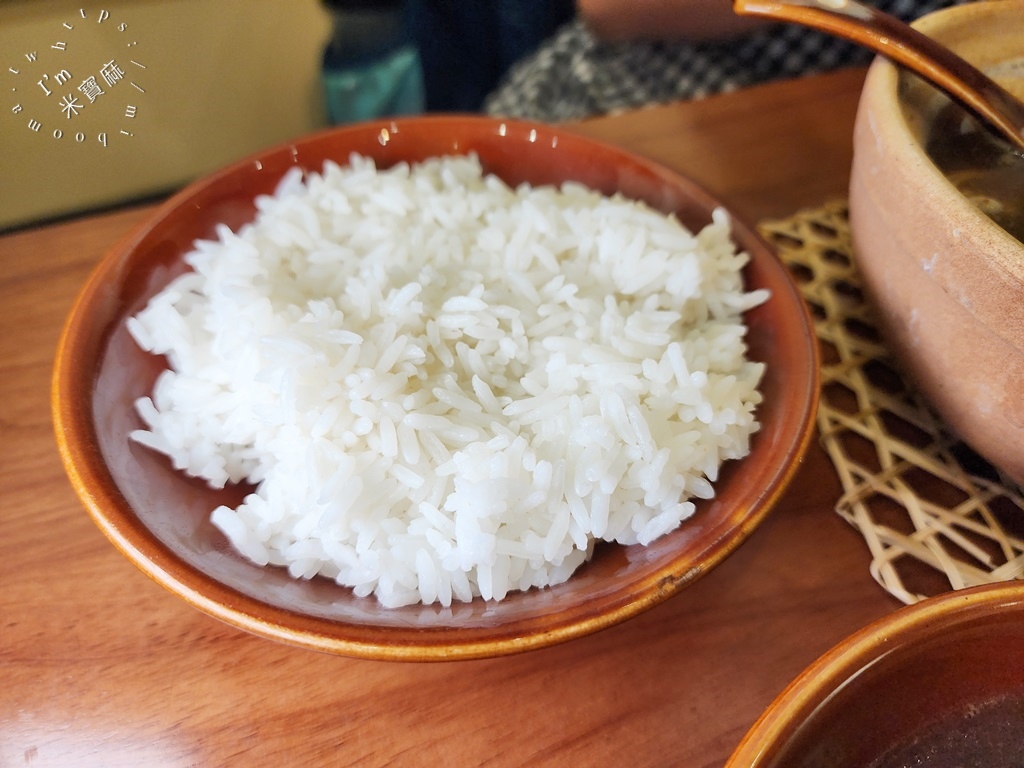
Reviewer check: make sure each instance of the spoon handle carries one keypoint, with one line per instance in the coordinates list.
(901, 43)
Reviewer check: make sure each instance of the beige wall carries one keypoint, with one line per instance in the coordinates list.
(208, 81)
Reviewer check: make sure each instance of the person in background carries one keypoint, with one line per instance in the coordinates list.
(371, 67)
(466, 46)
(623, 55)
(400, 57)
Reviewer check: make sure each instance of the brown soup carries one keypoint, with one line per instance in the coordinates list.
(987, 735)
(988, 171)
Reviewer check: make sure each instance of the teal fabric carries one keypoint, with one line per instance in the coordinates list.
(385, 87)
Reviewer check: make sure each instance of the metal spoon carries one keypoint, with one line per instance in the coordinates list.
(901, 43)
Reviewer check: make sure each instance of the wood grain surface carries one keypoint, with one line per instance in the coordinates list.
(101, 667)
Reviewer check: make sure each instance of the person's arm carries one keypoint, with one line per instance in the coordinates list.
(693, 20)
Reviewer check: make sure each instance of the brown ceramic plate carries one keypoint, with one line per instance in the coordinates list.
(159, 518)
(947, 673)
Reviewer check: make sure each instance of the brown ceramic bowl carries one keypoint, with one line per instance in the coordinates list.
(947, 281)
(159, 518)
(917, 674)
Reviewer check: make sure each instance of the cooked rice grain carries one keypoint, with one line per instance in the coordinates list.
(445, 387)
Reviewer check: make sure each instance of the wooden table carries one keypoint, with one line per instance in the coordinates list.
(101, 667)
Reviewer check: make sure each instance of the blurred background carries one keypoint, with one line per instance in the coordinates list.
(222, 79)
(180, 88)
(104, 102)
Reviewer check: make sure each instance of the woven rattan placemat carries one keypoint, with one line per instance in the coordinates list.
(934, 515)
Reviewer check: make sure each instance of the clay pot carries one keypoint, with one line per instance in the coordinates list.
(947, 282)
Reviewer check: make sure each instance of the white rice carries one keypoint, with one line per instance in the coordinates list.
(446, 388)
